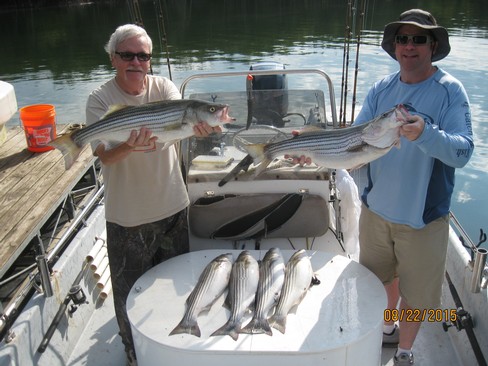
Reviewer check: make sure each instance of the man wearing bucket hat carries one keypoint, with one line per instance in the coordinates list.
(404, 222)
(145, 195)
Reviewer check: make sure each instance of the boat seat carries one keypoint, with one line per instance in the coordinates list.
(257, 216)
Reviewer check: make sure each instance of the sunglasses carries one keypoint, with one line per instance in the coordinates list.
(416, 40)
(129, 56)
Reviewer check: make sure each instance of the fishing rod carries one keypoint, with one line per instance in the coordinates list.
(359, 28)
(74, 294)
(163, 36)
(250, 100)
(464, 321)
(345, 64)
(136, 18)
(135, 12)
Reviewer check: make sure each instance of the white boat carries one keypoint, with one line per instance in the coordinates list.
(312, 208)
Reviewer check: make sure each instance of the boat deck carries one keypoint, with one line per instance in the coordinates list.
(35, 184)
(32, 187)
(432, 347)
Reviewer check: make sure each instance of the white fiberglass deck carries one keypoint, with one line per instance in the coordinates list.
(338, 322)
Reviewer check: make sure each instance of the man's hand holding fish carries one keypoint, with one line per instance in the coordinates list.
(412, 130)
(203, 129)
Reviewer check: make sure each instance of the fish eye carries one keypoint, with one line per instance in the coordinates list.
(212, 109)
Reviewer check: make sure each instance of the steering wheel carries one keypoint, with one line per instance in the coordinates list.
(260, 134)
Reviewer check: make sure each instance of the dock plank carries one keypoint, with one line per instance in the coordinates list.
(32, 186)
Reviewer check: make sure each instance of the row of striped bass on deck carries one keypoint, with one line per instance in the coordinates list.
(269, 290)
(169, 120)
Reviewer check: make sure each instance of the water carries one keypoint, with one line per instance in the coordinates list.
(55, 55)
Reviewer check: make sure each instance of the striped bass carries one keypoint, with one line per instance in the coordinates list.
(298, 278)
(242, 291)
(340, 148)
(271, 279)
(169, 120)
(210, 286)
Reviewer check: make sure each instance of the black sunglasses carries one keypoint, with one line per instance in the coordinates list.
(129, 56)
(404, 38)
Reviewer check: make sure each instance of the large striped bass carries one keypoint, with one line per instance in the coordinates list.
(169, 120)
(298, 278)
(210, 286)
(271, 279)
(242, 291)
(341, 148)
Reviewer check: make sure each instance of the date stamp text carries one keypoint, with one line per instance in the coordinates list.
(420, 315)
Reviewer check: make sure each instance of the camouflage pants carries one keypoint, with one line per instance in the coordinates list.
(134, 250)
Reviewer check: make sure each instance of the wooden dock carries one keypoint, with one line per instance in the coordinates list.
(32, 186)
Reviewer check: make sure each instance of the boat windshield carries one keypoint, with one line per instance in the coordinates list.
(262, 116)
(277, 108)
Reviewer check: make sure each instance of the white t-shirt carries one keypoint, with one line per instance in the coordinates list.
(146, 186)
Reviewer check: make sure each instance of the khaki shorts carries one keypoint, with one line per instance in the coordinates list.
(416, 256)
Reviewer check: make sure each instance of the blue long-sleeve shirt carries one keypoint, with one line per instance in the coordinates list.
(413, 184)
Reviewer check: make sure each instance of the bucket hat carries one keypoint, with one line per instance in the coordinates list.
(422, 19)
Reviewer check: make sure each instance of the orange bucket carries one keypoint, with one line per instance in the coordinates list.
(39, 123)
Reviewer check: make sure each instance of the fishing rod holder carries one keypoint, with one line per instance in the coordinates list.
(44, 276)
(479, 270)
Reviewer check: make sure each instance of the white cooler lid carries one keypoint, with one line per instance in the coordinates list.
(8, 102)
(339, 320)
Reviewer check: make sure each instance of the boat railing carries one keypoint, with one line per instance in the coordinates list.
(9, 314)
(479, 256)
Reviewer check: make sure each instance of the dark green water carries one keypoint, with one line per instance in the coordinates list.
(55, 55)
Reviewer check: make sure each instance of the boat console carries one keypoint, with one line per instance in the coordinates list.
(285, 201)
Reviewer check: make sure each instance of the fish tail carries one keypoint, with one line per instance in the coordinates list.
(256, 151)
(187, 327)
(259, 156)
(229, 329)
(68, 148)
(278, 322)
(257, 326)
(262, 167)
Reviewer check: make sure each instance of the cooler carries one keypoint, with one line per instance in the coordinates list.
(339, 322)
